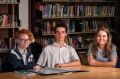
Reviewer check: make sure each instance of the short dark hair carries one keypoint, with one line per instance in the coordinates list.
(60, 25)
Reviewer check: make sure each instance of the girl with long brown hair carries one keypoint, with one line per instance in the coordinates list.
(102, 52)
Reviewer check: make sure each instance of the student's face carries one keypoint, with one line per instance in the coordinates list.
(23, 41)
(102, 37)
(60, 34)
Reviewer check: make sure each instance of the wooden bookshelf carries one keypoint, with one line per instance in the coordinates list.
(75, 17)
(9, 21)
(78, 1)
(84, 14)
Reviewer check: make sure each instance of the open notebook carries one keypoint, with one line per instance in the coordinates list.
(48, 71)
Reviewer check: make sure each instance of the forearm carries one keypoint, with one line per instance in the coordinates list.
(105, 64)
(94, 62)
(73, 63)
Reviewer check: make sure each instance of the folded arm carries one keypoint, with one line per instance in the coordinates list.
(93, 62)
(73, 63)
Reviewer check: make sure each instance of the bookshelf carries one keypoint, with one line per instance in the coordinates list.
(82, 18)
(35, 17)
(9, 23)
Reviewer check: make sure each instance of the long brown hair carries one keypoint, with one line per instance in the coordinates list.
(108, 46)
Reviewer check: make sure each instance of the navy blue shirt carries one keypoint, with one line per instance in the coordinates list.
(14, 61)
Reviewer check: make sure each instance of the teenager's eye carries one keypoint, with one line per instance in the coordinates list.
(63, 31)
(104, 36)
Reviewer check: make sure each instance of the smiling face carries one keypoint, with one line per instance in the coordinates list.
(60, 34)
(102, 38)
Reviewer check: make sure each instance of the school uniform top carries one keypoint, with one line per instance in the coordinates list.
(100, 54)
(53, 54)
(17, 61)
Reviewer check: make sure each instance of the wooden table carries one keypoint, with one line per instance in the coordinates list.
(94, 73)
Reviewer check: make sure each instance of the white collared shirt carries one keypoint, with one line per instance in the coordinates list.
(24, 56)
(53, 54)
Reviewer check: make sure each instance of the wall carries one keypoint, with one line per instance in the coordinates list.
(117, 28)
(23, 13)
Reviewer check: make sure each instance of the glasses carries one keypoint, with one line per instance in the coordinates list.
(25, 40)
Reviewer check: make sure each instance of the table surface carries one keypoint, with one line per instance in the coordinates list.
(94, 73)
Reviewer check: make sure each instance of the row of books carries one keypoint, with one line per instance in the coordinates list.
(9, 1)
(9, 9)
(82, 25)
(7, 43)
(69, 10)
(7, 20)
(74, 41)
(78, 0)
